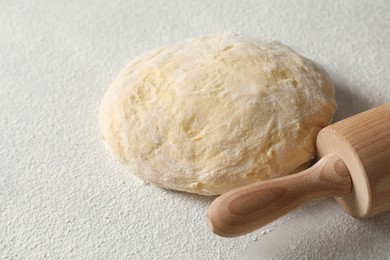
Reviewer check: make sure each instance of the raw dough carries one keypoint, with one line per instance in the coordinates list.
(215, 113)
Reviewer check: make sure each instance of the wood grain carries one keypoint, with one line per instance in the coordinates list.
(248, 208)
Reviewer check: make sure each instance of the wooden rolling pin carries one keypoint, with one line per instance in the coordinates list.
(354, 168)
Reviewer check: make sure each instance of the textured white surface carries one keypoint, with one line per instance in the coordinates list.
(62, 196)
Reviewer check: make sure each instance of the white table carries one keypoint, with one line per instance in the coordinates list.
(61, 194)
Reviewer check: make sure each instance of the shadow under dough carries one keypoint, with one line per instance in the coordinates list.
(349, 102)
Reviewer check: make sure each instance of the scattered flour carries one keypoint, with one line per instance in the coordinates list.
(322, 230)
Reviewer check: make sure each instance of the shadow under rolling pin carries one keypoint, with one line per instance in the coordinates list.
(354, 168)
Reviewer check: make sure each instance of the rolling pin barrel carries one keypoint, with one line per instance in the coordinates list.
(363, 143)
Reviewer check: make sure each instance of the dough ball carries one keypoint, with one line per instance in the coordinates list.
(215, 113)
